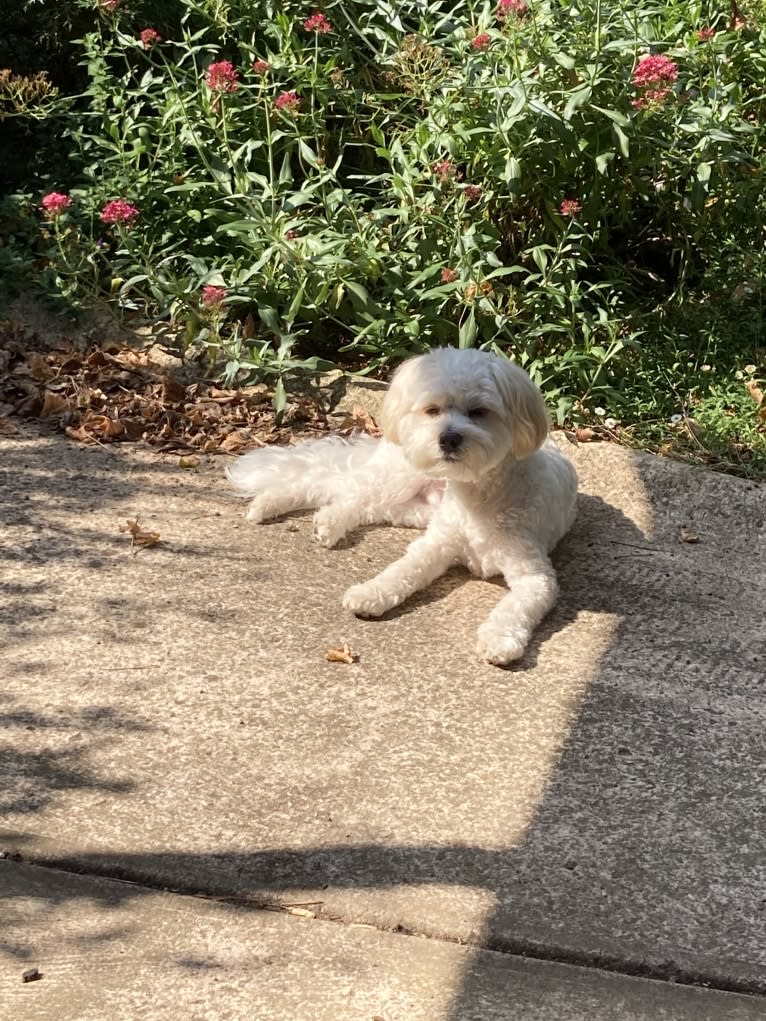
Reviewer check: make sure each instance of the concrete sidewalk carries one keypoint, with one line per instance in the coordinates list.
(169, 718)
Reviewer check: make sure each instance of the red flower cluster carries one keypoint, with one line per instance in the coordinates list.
(261, 67)
(445, 171)
(317, 23)
(511, 8)
(472, 192)
(705, 34)
(222, 77)
(149, 36)
(654, 70)
(213, 296)
(481, 41)
(570, 207)
(55, 203)
(449, 276)
(287, 101)
(119, 211)
(654, 74)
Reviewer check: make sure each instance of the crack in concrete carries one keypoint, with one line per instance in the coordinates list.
(528, 949)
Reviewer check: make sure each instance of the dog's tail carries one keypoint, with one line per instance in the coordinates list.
(317, 465)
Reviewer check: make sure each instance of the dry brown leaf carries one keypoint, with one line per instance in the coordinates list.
(300, 912)
(108, 428)
(173, 391)
(585, 434)
(361, 419)
(7, 428)
(688, 535)
(54, 404)
(188, 462)
(249, 327)
(755, 392)
(140, 537)
(343, 655)
(234, 442)
(80, 434)
(38, 367)
(224, 396)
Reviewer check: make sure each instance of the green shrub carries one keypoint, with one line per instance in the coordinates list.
(511, 176)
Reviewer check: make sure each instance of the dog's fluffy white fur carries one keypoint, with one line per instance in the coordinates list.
(464, 455)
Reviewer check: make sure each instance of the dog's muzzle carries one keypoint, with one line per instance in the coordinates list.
(450, 442)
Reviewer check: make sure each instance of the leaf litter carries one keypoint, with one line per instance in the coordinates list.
(113, 392)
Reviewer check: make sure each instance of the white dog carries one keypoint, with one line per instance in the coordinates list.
(465, 456)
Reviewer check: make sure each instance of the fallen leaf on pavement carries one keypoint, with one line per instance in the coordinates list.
(344, 655)
(139, 536)
(687, 535)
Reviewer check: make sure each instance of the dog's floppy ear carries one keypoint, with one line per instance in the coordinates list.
(397, 401)
(525, 406)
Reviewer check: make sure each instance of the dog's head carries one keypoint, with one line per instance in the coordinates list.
(459, 413)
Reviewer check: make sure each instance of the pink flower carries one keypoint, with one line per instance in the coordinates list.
(291, 234)
(317, 23)
(510, 8)
(654, 70)
(481, 41)
(570, 207)
(445, 171)
(119, 211)
(287, 101)
(472, 192)
(705, 33)
(149, 36)
(449, 276)
(212, 296)
(55, 204)
(261, 67)
(222, 77)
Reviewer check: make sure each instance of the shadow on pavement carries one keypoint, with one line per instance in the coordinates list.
(646, 852)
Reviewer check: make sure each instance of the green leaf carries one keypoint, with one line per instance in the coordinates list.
(468, 331)
(703, 172)
(358, 290)
(603, 160)
(613, 115)
(308, 154)
(280, 397)
(622, 140)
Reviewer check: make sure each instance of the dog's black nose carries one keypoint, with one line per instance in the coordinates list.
(450, 441)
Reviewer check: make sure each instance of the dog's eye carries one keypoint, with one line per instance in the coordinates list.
(477, 412)
(431, 410)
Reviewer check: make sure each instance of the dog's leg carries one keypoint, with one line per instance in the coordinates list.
(424, 561)
(333, 522)
(505, 634)
(273, 502)
(416, 514)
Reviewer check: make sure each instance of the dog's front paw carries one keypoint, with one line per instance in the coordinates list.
(328, 530)
(258, 510)
(367, 600)
(501, 647)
